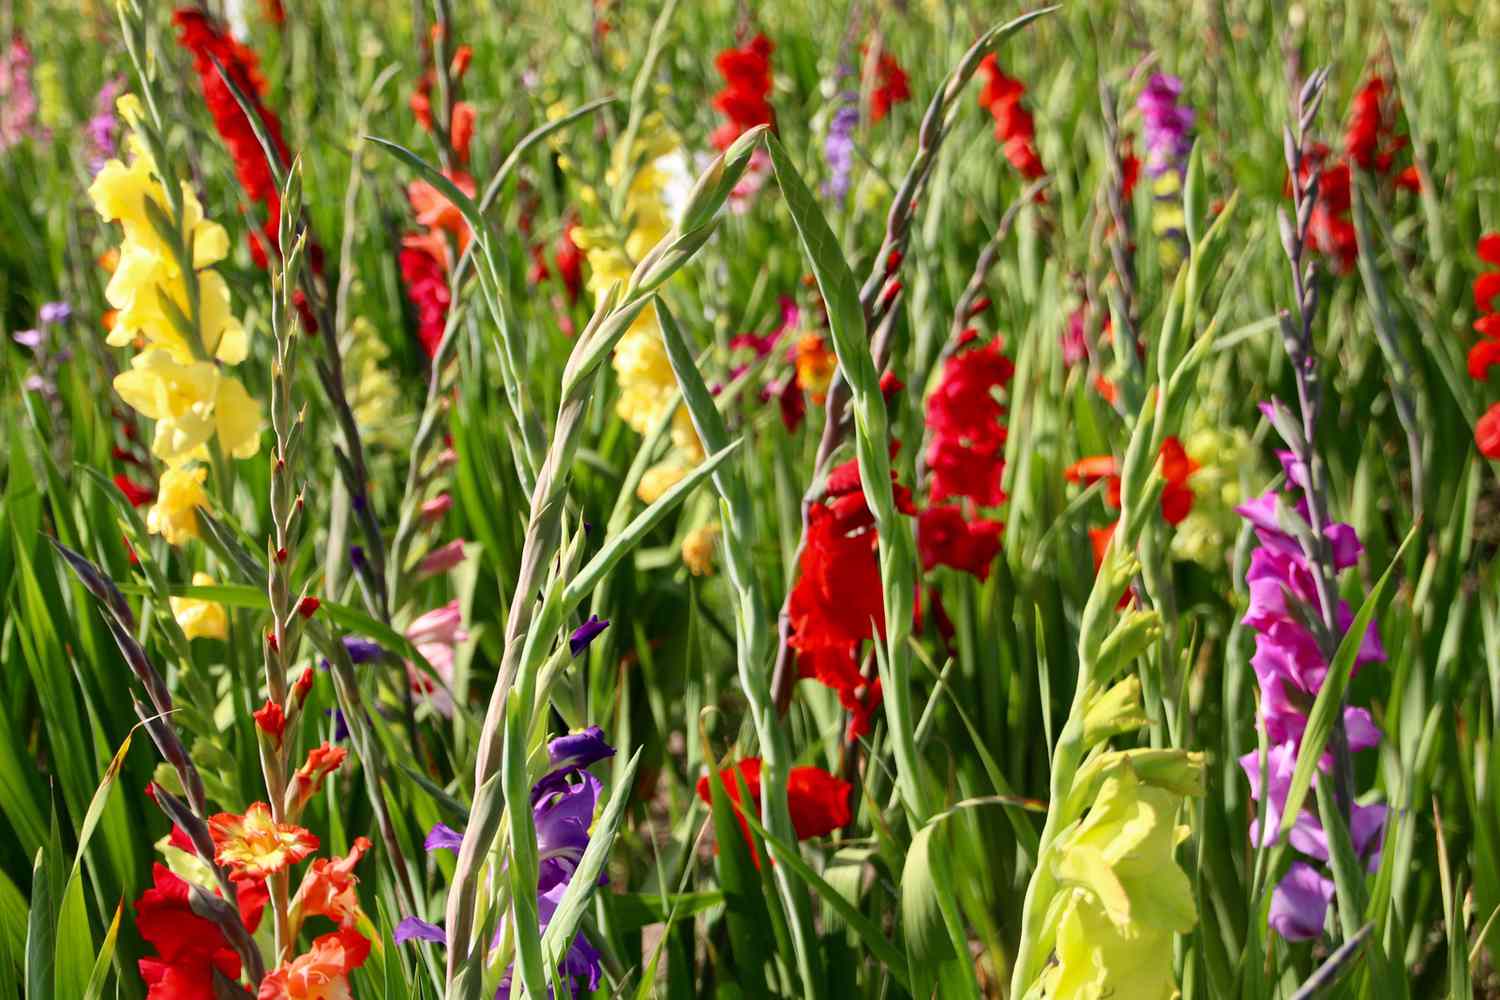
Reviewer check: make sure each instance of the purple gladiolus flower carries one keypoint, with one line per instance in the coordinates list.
(33, 338)
(1290, 668)
(54, 312)
(1167, 125)
(416, 929)
(442, 837)
(361, 650)
(102, 130)
(1299, 903)
(838, 147)
(579, 749)
(586, 633)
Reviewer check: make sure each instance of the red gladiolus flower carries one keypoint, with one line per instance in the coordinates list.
(891, 86)
(966, 450)
(271, 720)
(208, 43)
(945, 537)
(188, 947)
(426, 284)
(1329, 231)
(818, 801)
(1015, 129)
(1487, 432)
(1177, 467)
(1489, 248)
(138, 495)
(747, 82)
(1486, 289)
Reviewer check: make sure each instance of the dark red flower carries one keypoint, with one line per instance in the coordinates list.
(818, 801)
(946, 538)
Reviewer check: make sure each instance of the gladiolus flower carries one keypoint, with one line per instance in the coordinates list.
(966, 450)
(327, 888)
(815, 366)
(945, 537)
(891, 86)
(747, 84)
(321, 973)
(137, 495)
(698, 549)
(818, 801)
(442, 559)
(271, 720)
(1015, 129)
(1487, 432)
(180, 494)
(189, 948)
(254, 844)
(200, 619)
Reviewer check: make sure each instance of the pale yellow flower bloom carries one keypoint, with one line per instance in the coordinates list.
(174, 516)
(698, 549)
(190, 403)
(659, 478)
(201, 619)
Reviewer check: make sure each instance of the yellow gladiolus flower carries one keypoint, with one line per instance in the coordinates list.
(659, 478)
(190, 403)
(201, 619)
(1125, 895)
(178, 496)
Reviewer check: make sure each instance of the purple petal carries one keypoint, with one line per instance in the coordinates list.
(54, 312)
(442, 837)
(414, 929)
(579, 749)
(1299, 904)
(585, 634)
(362, 650)
(33, 339)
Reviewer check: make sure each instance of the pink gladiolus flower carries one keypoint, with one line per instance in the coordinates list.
(434, 509)
(442, 559)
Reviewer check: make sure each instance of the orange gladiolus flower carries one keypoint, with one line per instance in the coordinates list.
(254, 844)
(327, 889)
(321, 973)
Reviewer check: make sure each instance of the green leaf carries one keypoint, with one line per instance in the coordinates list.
(41, 932)
(875, 941)
(100, 974)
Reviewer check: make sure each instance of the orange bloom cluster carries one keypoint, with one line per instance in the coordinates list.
(1015, 129)
(255, 845)
(1176, 497)
(321, 973)
(1486, 353)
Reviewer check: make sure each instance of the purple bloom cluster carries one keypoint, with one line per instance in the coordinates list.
(1290, 668)
(838, 146)
(102, 130)
(562, 807)
(1167, 124)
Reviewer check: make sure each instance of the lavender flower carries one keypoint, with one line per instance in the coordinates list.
(1167, 125)
(1290, 668)
(54, 312)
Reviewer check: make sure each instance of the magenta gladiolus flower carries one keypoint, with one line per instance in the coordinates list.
(442, 558)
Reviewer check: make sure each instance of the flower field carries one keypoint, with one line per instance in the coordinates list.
(682, 498)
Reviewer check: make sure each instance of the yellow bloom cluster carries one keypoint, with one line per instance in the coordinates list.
(186, 334)
(653, 200)
(201, 619)
(1124, 897)
(375, 396)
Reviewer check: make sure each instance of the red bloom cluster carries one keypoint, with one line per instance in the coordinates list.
(966, 454)
(1015, 129)
(566, 257)
(208, 42)
(818, 801)
(1486, 353)
(461, 118)
(426, 282)
(891, 86)
(189, 948)
(1371, 141)
(838, 601)
(747, 84)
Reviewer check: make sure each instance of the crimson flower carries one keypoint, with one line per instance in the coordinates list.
(945, 537)
(1015, 129)
(891, 86)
